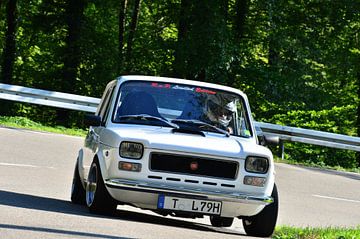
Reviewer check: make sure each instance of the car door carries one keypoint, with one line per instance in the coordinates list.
(92, 139)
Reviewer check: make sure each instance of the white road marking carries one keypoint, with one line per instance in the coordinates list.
(335, 198)
(23, 165)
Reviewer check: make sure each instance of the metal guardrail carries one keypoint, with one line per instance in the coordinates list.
(48, 98)
(308, 136)
(89, 104)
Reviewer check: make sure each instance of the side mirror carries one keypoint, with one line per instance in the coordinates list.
(271, 140)
(266, 139)
(92, 120)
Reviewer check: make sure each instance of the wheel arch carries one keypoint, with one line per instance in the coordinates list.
(99, 157)
(80, 166)
(270, 183)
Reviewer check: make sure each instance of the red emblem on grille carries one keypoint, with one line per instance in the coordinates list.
(194, 166)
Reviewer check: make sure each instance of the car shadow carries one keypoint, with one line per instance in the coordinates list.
(59, 231)
(20, 200)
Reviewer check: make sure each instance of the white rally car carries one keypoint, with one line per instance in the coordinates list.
(177, 147)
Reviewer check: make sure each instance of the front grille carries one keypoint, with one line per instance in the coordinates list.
(182, 165)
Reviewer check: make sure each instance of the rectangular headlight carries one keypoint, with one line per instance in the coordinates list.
(131, 150)
(256, 164)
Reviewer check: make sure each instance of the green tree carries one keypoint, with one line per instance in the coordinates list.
(298, 61)
(202, 43)
(9, 50)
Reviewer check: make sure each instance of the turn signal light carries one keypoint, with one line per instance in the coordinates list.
(134, 167)
(254, 181)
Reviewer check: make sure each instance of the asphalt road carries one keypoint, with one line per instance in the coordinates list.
(35, 180)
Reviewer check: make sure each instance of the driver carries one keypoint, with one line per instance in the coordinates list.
(220, 116)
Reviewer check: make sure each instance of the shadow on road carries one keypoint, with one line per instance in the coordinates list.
(58, 231)
(60, 206)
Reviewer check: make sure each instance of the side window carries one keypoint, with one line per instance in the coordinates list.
(105, 103)
(242, 124)
(107, 108)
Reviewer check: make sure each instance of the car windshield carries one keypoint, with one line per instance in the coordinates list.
(182, 106)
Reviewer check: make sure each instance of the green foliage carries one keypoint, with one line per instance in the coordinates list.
(25, 123)
(316, 233)
(313, 155)
(336, 120)
(298, 61)
(155, 39)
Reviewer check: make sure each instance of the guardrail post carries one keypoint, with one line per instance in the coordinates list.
(282, 148)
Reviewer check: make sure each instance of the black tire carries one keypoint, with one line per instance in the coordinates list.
(263, 224)
(77, 189)
(98, 199)
(217, 221)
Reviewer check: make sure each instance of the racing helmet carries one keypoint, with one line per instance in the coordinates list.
(221, 114)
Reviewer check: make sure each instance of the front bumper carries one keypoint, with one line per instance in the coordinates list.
(145, 195)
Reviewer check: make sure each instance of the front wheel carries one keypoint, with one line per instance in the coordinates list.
(263, 224)
(98, 198)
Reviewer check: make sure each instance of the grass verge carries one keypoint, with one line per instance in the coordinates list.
(25, 123)
(313, 165)
(285, 232)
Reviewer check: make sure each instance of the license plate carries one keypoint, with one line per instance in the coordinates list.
(189, 205)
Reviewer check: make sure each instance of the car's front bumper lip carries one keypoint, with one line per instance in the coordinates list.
(149, 187)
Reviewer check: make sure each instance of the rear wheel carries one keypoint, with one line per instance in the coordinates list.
(217, 221)
(263, 224)
(98, 198)
(77, 189)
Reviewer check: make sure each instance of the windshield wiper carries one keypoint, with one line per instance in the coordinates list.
(201, 125)
(146, 117)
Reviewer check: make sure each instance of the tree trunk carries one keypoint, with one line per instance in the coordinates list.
(183, 28)
(9, 51)
(10, 41)
(225, 6)
(132, 30)
(241, 8)
(72, 54)
(273, 54)
(122, 17)
(1, 3)
(183, 19)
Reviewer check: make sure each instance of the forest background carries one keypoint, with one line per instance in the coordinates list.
(298, 61)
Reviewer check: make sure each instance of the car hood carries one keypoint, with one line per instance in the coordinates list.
(164, 139)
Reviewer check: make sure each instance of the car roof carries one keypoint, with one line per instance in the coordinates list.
(180, 81)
